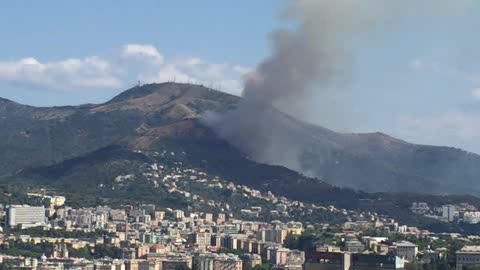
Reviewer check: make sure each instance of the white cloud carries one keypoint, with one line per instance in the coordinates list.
(217, 76)
(221, 76)
(242, 70)
(65, 74)
(143, 52)
(168, 73)
(194, 61)
(134, 62)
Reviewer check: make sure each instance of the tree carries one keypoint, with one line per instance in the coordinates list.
(4, 266)
(81, 253)
(262, 267)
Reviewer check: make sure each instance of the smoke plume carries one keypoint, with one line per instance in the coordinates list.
(311, 54)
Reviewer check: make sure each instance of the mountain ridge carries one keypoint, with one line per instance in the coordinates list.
(144, 117)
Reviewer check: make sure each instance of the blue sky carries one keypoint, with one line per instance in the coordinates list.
(417, 79)
(57, 30)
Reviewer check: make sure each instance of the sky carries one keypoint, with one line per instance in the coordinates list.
(417, 78)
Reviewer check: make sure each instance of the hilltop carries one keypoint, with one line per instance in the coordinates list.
(152, 116)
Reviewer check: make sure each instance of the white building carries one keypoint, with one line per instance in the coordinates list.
(449, 212)
(468, 255)
(471, 217)
(179, 214)
(420, 207)
(56, 200)
(25, 216)
(407, 251)
(212, 261)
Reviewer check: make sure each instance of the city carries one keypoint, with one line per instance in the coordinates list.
(146, 236)
(240, 135)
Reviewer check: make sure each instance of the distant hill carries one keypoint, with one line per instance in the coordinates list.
(372, 162)
(159, 115)
(32, 136)
(92, 179)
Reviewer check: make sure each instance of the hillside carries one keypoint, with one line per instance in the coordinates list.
(373, 162)
(116, 175)
(153, 116)
(32, 137)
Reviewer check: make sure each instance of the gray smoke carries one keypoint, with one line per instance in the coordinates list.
(310, 52)
(310, 55)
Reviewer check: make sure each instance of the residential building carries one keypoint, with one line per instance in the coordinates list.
(354, 246)
(407, 250)
(250, 261)
(149, 265)
(347, 261)
(376, 262)
(213, 261)
(208, 217)
(176, 262)
(449, 212)
(25, 216)
(468, 256)
(131, 265)
(328, 261)
(179, 214)
(202, 240)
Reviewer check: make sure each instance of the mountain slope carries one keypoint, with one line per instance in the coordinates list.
(118, 175)
(32, 137)
(373, 162)
(151, 116)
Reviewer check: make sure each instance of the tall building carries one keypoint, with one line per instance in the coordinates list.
(149, 265)
(272, 235)
(202, 240)
(250, 261)
(179, 214)
(159, 216)
(373, 261)
(60, 251)
(213, 261)
(149, 209)
(347, 261)
(25, 216)
(328, 261)
(208, 217)
(293, 259)
(175, 262)
(449, 212)
(131, 265)
(221, 218)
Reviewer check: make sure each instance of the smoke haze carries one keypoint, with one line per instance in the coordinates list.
(309, 57)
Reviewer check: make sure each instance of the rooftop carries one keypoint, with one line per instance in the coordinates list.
(471, 249)
(405, 244)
